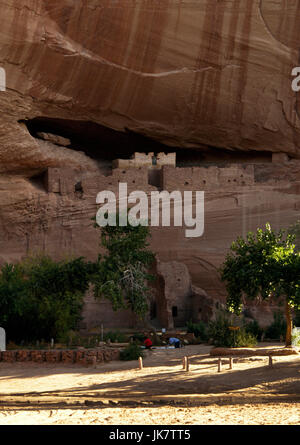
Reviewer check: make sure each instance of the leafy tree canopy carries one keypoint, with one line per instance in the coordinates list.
(41, 298)
(264, 265)
(121, 275)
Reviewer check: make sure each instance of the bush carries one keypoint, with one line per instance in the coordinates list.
(219, 332)
(131, 352)
(198, 329)
(277, 328)
(138, 338)
(295, 337)
(41, 298)
(253, 328)
(223, 336)
(115, 337)
(245, 339)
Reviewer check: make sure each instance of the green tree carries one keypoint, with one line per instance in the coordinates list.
(264, 265)
(122, 274)
(41, 298)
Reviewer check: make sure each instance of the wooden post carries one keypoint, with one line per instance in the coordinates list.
(270, 362)
(230, 362)
(184, 363)
(219, 364)
(102, 332)
(94, 362)
(187, 367)
(140, 363)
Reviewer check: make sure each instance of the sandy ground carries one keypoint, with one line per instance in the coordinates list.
(118, 393)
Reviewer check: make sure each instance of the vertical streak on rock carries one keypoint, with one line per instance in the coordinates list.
(149, 35)
(126, 17)
(213, 20)
(230, 55)
(244, 56)
(178, 17)
(281, 19)
(217, 43)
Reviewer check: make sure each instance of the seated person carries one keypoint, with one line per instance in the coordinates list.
(174, 341)
(148, 343)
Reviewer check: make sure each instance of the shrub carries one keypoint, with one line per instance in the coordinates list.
(41, 298)
(295, 337)
(245, 339)
(253, 328)
(138, 338)
(219, 332)
(198, 329)
(277, 328)
(223, 336)
(131, 352)
(115, 337)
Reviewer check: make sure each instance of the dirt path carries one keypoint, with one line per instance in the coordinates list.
(118, 393)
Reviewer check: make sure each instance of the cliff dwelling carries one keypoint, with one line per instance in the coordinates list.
(186, 99)
(95, 158)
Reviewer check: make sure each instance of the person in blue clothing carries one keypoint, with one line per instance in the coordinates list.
(174, 341)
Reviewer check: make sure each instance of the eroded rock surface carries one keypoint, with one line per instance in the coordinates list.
(192, 73)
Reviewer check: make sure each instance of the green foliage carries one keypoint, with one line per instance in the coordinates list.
(138, 337)
(277, 328)
(41, 298)
(222, 335)
(295, 337)
(131, 352)
(244, 339)
(115, 337)
(198, 329)
(253, 328)
(294, 230)
(122, 274)
(219, 332)
(264, 265)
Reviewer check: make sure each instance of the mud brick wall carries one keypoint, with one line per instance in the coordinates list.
(79, 356)
(146, 160)
(201, 178)
(135, 178)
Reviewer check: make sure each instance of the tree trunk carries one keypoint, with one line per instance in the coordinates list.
(289, 325)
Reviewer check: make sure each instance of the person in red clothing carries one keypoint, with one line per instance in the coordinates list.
(148, 343)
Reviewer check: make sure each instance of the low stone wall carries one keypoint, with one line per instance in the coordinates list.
(227, 352)
(79, 356)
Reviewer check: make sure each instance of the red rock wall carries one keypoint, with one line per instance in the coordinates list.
(192, 74)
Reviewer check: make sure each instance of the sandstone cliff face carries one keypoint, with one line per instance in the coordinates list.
(187, 73)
